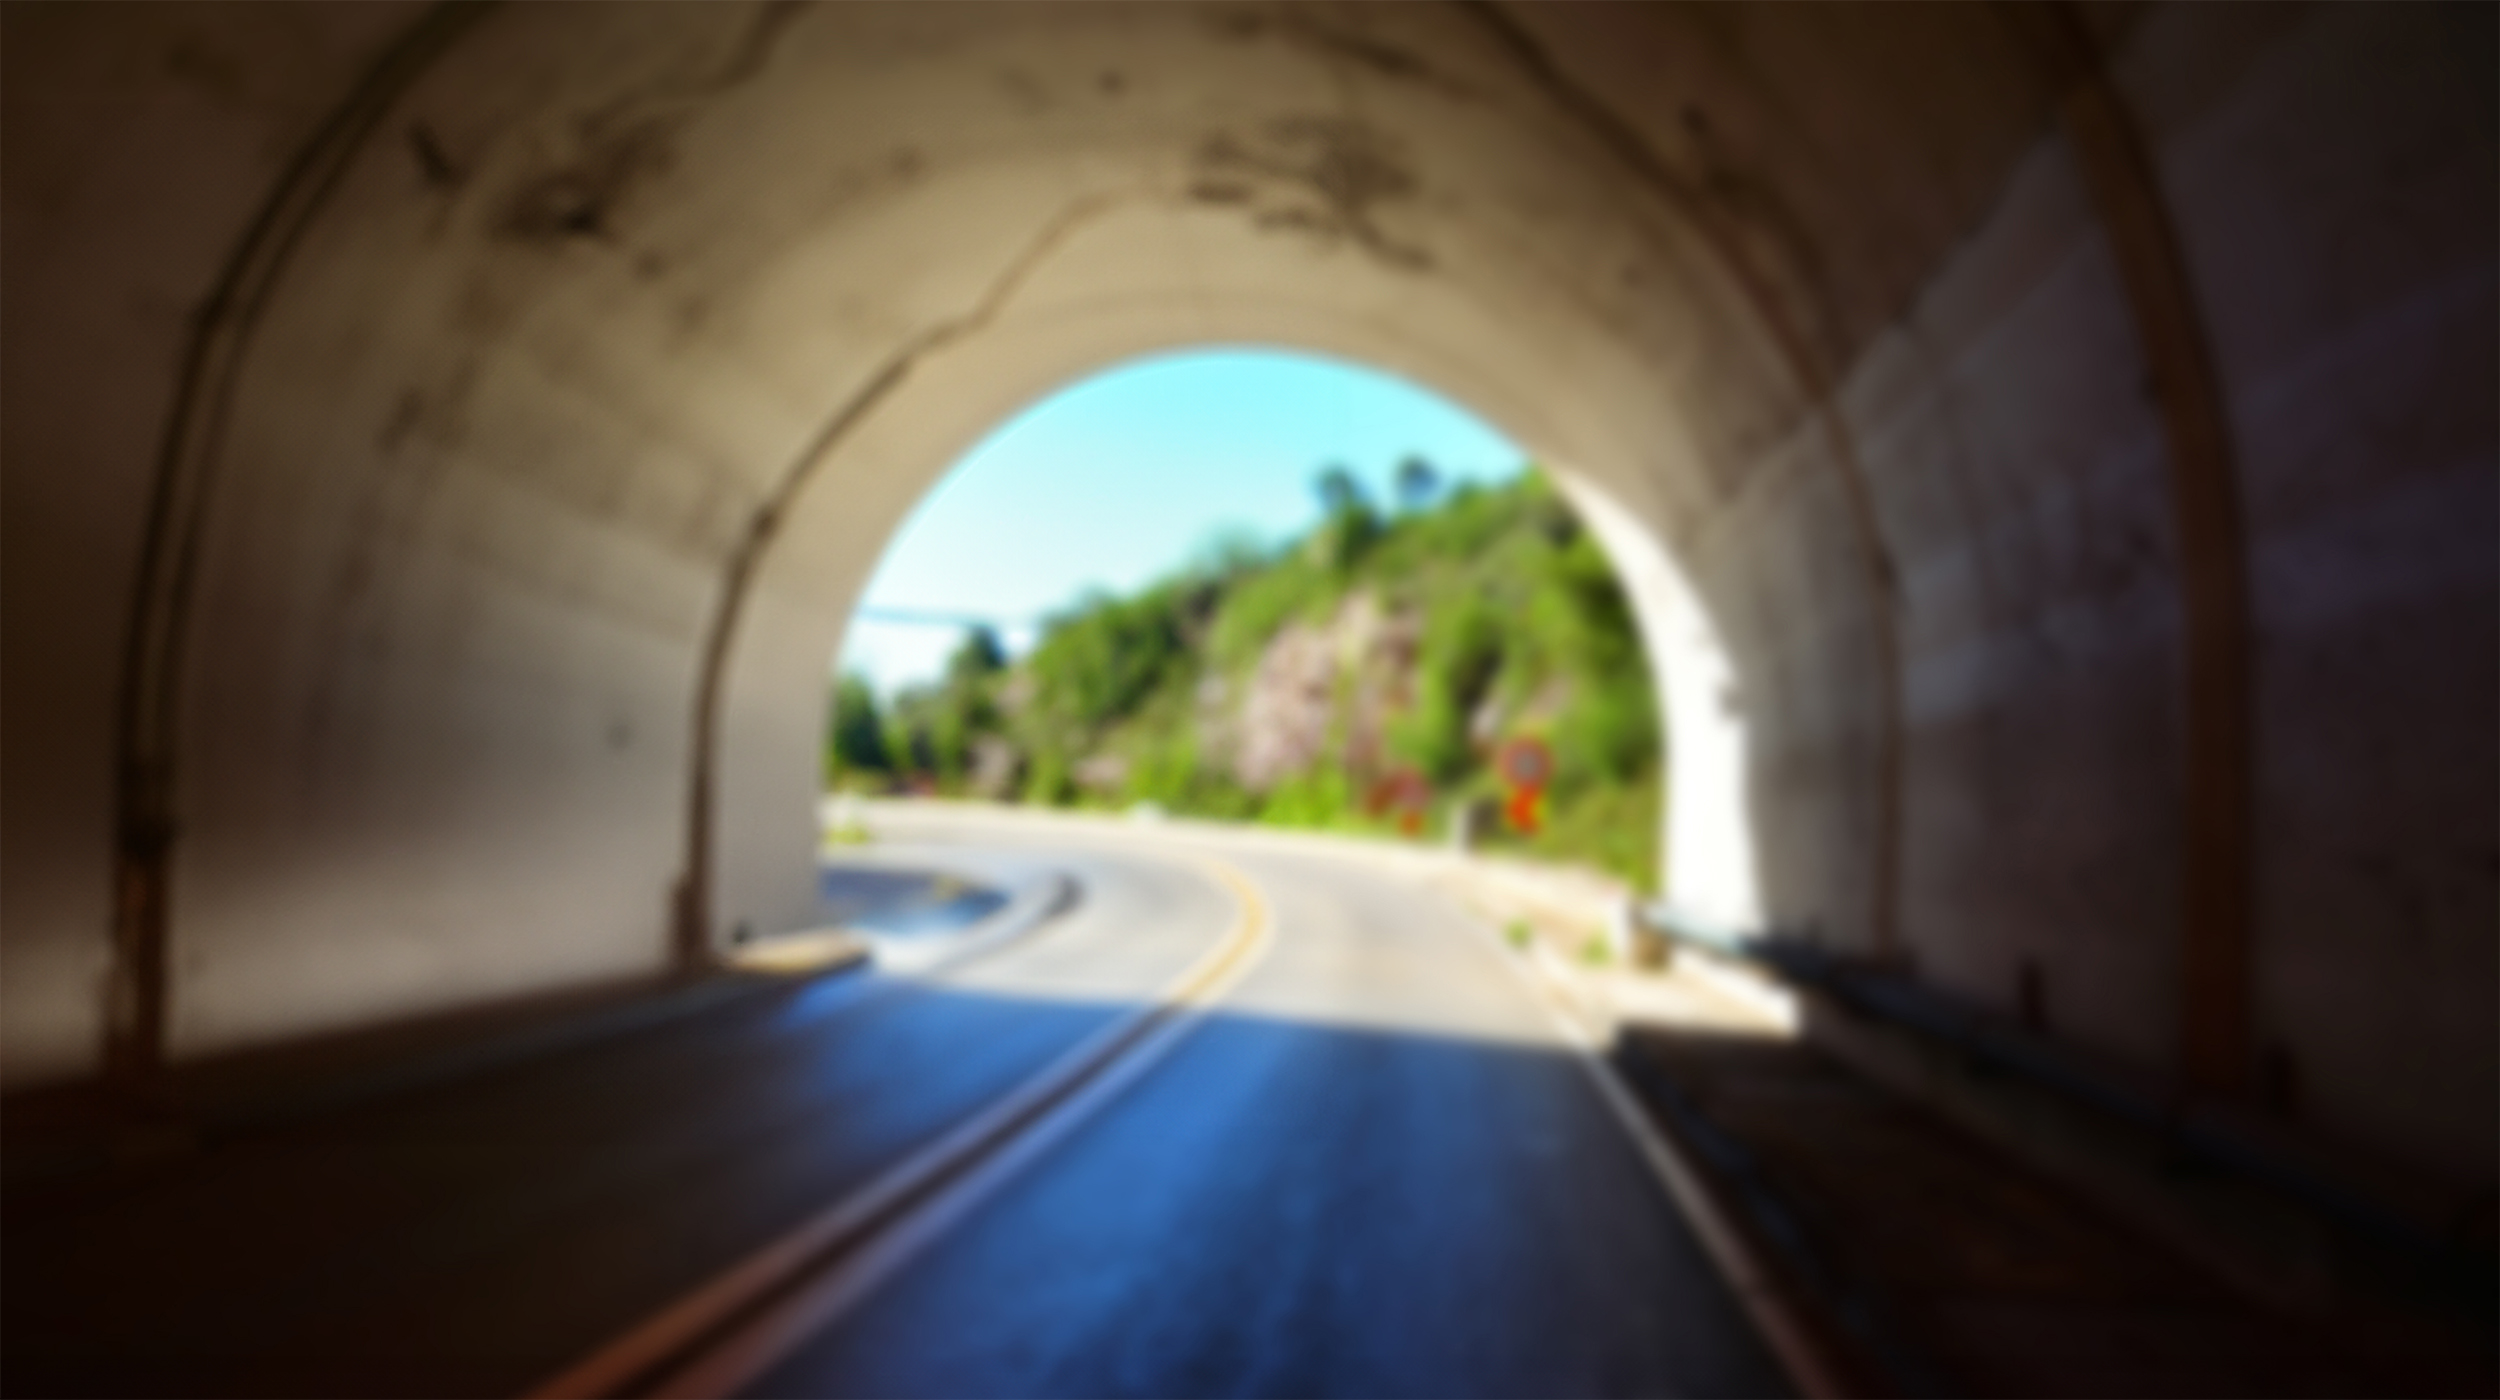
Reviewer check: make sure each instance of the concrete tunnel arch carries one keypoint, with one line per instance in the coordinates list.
(568, 365)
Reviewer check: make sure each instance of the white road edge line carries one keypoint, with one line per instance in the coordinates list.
(882, 1224)
(1778, 1319)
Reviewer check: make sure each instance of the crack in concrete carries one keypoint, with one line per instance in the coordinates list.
(137, 989)
(630, 141)
(580, 199)
(691, 923)
(1376, 56)
(1323, 176)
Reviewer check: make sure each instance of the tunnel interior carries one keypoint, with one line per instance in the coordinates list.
(445, 444)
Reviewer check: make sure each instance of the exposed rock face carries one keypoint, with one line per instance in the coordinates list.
(1378, 650)
(996, 767)
(1016, 694)
(1322, 691)
(1285, 714)
(1218, 729)
(1103, 772)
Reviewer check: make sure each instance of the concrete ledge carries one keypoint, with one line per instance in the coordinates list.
(68, 1128)
(65, 1129)
(1035, 903)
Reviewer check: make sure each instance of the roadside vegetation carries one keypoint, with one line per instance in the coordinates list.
(1362, 677)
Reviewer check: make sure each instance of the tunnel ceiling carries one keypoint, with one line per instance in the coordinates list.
(484, 419)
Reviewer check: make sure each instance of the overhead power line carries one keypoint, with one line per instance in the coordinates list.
(930, 617)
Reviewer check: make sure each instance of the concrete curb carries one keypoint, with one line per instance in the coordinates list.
(1036, 903)
(272, 1087)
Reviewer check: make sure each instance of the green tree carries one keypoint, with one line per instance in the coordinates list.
(1462, 654)
(855, 733)
(947, 718)
(975, 659)
(1419, 483)
(1339, 490)
(1095, 664)
(1349, 525)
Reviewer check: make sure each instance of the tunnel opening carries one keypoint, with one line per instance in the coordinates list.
(1345, 601)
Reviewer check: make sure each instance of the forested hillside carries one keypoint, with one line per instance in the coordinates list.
(1362, 676)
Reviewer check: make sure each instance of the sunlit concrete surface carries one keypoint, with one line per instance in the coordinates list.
(443, 446)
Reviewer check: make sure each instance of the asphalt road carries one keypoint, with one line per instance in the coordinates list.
(1374, 1169)
(1378, 1170)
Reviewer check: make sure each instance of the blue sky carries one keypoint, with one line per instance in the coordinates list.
(1116, 479)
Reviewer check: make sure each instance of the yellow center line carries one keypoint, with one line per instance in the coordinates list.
(732, 1327)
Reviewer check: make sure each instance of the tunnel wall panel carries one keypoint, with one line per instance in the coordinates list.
(2337, 207)
(1793, 567)
(2006, 425)
(454, 572)
(139, 143)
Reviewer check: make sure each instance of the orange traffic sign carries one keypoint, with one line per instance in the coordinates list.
(1524, 762)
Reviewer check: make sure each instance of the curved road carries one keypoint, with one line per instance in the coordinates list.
(1374, 1167)
(1377, 1170)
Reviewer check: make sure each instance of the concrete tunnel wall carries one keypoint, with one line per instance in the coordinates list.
(431, 433)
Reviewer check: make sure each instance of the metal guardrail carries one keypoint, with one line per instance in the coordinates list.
(1980, 1039)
